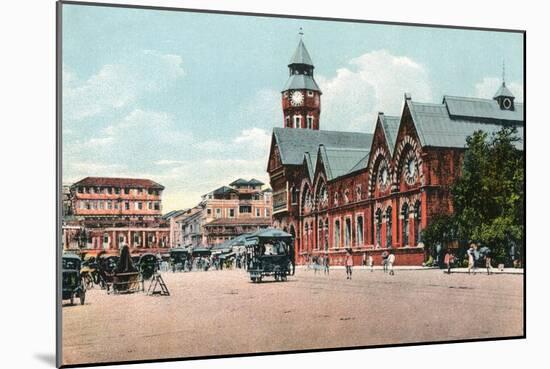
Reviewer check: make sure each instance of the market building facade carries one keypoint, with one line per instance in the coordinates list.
(371, 193)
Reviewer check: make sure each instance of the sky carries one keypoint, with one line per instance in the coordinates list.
(189, 100)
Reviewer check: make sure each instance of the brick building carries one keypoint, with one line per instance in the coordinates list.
(227, 212)
(108, 213)
(371, 192)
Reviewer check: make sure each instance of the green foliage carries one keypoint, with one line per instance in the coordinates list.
(441, 230)
(489, 198)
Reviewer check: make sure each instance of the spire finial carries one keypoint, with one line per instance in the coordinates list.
(503, 73)
(301, 33)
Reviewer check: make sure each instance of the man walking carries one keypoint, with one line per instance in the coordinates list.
(471, 258)
(370, 263)
(326, 262)
(349, 264)
(448, 260)
(390, 261)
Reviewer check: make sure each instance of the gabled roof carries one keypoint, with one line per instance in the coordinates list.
(173, 214)
(503, 91)
(293, 143)
(118, 182)
(390, 126)
(437, 126)
(301, 56)
(469, 108)
(341, 161)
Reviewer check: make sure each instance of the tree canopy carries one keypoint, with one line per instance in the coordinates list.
(488, 198)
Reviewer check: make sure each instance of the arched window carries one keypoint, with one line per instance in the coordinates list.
(359, 227)
(347, 233)
(417, 222)
(337, 231)
(294, 192)
(306, 236)
(326, 234)
(388, 226)
(405, 230)
(320, 234)
(322, 196)
(378, 217)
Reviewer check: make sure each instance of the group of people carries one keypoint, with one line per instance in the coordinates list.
(322, 262)
(318, 262)
(473, 255)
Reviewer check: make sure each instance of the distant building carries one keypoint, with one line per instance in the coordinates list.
(108, 213)
(173, 218)
(227, 212)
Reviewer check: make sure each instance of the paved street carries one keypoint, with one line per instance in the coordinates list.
(221, 312)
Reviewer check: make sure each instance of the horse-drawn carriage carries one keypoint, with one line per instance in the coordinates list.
(72, 285)
(178, 258)
(270, 252)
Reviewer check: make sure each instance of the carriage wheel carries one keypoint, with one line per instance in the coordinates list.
(82, 297)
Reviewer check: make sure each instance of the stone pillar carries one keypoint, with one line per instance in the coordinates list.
(157, 241)
(411, 228)
(143, 239)
(395, 222)
(128, 239)
(424, 208)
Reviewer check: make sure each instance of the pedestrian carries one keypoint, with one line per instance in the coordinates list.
(448, 260)
(327, 264)
(471, 258)
(370, 263)
(385, 261)
(349, 264)
(315, 264)
(364, 261)
(390, 262)
(488, 262)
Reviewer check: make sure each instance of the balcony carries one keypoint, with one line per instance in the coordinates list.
(280, 201)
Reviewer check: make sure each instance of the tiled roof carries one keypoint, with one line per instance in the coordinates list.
(390, 125)
(173, 213)
(255, 182)
(301, 82)
(475, 109)
(118, 182)
(504, 91)
(239, 221)
(223, 190)
(239, 182)
(437, 128)
(293, 143)
(341, 161)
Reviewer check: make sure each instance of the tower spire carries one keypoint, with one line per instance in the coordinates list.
(503, 73)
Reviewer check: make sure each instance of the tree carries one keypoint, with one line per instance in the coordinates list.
(488, 198)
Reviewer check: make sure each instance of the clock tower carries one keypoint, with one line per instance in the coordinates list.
(301, 95)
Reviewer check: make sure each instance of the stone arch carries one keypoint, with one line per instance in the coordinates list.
(379, 156)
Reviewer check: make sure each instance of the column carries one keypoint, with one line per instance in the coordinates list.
(128, 239)
(395, 221)
(143, 239)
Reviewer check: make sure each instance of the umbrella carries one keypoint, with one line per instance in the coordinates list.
(484, 251)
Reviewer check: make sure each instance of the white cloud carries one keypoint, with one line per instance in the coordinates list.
(373, 82)
(487, 88)
(116, 85)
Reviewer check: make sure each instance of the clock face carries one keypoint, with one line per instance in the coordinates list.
(297, 98)
(411, 168)
(383, 176)
(507, 103)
